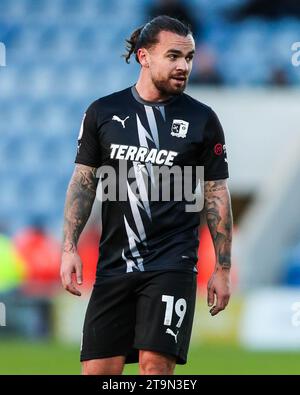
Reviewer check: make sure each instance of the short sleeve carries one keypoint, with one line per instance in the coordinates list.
(214, 157)
(88, 148)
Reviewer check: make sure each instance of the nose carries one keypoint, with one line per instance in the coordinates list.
(182, 65)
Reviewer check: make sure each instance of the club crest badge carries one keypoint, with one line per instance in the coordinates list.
(179, 128)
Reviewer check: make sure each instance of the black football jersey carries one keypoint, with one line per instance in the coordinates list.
(135, 138)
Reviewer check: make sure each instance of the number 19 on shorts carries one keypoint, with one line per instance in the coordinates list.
(180, 309)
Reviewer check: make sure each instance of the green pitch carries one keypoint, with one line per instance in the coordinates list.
(51, 358)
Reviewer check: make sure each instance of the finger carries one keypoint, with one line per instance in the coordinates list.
(79, 274)
(68, 284)
(226, 300)
(63, 279)
(210, 296)
(215, 310)
(66, 278)
(74, 291)
(222, 302)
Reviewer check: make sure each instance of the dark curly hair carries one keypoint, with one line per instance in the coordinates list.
(146, 35)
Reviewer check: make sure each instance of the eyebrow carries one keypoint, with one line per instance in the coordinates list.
(176, 51)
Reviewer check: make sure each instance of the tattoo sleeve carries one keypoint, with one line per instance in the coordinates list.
(79, 202)
(219, 219)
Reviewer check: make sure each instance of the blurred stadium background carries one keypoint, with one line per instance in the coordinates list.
(63, 54)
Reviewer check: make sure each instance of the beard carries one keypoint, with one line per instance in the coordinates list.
(169, 87)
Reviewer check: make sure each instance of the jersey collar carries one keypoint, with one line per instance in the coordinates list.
(151, 103)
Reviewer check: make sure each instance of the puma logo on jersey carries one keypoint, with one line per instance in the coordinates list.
(142, 154)
(116, 118)
(170, 332)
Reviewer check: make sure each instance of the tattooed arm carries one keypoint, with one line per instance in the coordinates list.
(219, 220)
(79, 202)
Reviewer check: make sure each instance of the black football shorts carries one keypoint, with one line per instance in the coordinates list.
(140, 311)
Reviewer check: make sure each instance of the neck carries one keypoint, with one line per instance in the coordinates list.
(148, 91)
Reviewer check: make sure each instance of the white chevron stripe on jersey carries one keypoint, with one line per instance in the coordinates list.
(129, 262)
(143, 134)
(154, 132)
(139, 175)
(162, 111)
(132, 238)
(152, 125)
(134, 204)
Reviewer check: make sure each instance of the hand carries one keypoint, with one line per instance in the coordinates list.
(218, 290)
(70, 264)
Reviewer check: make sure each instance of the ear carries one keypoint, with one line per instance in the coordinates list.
(143, 57)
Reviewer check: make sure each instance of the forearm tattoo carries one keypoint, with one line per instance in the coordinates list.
(219, 219)
(79, 202)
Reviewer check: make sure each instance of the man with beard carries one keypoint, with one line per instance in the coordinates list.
(142, 305)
